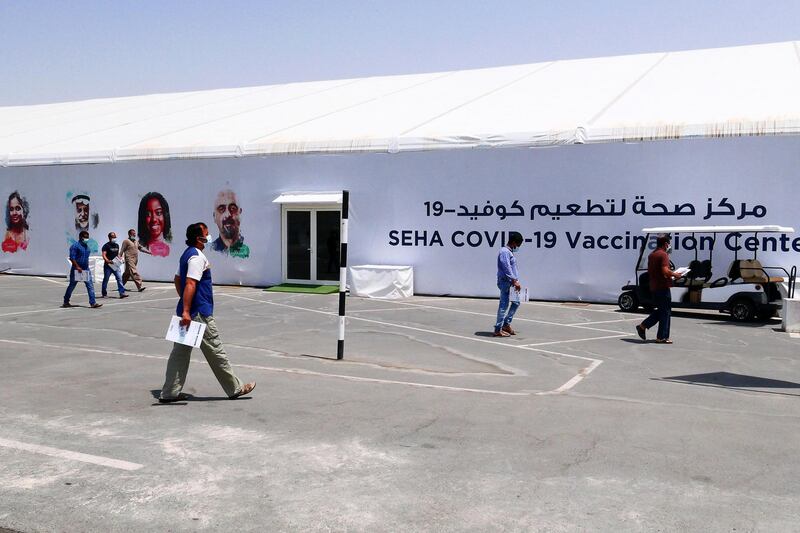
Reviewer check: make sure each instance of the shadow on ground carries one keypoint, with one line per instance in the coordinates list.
(730, 380)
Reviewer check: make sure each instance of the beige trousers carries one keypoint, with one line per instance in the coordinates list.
(131, 273)
(211, 346)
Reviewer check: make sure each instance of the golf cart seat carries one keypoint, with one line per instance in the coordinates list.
(751, 271)
(699, 273)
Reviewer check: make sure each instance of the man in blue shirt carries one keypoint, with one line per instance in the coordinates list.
(110, 252)
(507, 277)
(196, 303)
(79, 257)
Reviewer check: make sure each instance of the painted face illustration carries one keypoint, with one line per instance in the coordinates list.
(226, 214)
(15, 213)
(81, 215)
(154, 218)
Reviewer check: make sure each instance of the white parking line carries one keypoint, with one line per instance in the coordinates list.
(594, 363)
(580, 326)
(69, 455)
(617, 336)
(608, 321)
(105, 306)
(297, 371)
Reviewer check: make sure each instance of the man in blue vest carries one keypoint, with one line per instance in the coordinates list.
(79, 258)
(193, 283)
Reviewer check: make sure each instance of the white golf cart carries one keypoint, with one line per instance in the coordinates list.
(746, 290)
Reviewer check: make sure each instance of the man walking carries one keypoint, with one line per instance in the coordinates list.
(130, 253)
(660, 283)
(193, 283)
(507, 277)
(110, 252)
(79, 258)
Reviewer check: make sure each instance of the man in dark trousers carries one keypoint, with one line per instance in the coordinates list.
(507, 277)
(196, 303)
(79, 258)
(661, 277)
(110, 252)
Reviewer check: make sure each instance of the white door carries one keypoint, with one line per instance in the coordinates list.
(311, 245)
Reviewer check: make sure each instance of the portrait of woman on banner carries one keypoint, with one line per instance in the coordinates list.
(155, 226)
(17, 211)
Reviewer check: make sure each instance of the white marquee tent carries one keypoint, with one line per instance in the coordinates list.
(439, 169)
(739, 91)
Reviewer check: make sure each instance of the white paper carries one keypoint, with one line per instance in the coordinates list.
(191, 336)
(518, 296)
(82, 276)
(683, 271)
(116, 263)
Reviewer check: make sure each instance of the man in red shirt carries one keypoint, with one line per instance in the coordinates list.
(661, 277)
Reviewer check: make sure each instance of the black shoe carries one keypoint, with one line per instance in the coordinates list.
(123, 295)
(179, 398)
(141, 289)
(641, 332)
(66, 304)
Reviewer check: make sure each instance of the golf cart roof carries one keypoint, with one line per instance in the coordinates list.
(719, 229)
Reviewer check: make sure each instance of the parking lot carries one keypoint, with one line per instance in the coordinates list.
(429, 423)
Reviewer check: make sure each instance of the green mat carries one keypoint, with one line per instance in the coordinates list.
(310, 289)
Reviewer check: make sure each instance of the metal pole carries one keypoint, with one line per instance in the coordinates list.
(343, 272)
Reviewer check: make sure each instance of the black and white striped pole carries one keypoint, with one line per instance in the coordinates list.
(342, 272)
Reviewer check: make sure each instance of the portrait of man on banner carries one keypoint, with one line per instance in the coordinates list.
(155, 224)
(17, 211)
(227, 216)
(83, 218)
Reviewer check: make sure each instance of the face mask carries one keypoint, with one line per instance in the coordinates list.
(113, 240)
(669, 248)
(132, 237)
(83, 241)
(202, 239)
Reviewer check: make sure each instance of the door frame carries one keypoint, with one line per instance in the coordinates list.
(313, 208)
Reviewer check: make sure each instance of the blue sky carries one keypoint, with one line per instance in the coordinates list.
(70, 50)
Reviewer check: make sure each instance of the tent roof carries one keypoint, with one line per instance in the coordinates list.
(738, 91)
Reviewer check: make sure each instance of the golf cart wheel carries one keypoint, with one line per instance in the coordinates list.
(743, 310)
(628, 301)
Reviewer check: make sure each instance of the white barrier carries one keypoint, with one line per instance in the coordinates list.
(791, 315)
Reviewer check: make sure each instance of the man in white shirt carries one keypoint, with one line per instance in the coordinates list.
(193, 283)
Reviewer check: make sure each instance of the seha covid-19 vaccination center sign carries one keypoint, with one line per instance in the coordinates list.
(446, 213)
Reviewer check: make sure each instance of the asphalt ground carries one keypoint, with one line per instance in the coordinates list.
(429, 424)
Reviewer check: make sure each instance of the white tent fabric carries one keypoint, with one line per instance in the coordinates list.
(738, 91)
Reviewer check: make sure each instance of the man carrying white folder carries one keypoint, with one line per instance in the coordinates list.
(193, 283)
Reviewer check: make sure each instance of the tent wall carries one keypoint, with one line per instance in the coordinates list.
(395, 217)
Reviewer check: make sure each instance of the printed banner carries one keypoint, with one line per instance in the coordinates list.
(581, 210)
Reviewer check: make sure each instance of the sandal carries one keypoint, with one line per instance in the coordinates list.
(501, 333)
(247, 388)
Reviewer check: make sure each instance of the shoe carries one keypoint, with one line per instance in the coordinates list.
(641, 332)
(141, 289)
(247, 388)
(507, 329)
(179, 398)
(66, 304)
(501, 333)
(123, 295)
(104, 296)
(663, 341)
(96, 306)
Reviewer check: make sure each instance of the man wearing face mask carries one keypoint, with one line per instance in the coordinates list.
(110, 252)
(196, 303)
(79, 258)
(661, 277)
(507, 277)
(130, 253)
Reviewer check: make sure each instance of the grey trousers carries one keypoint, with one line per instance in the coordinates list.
(211, 346)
